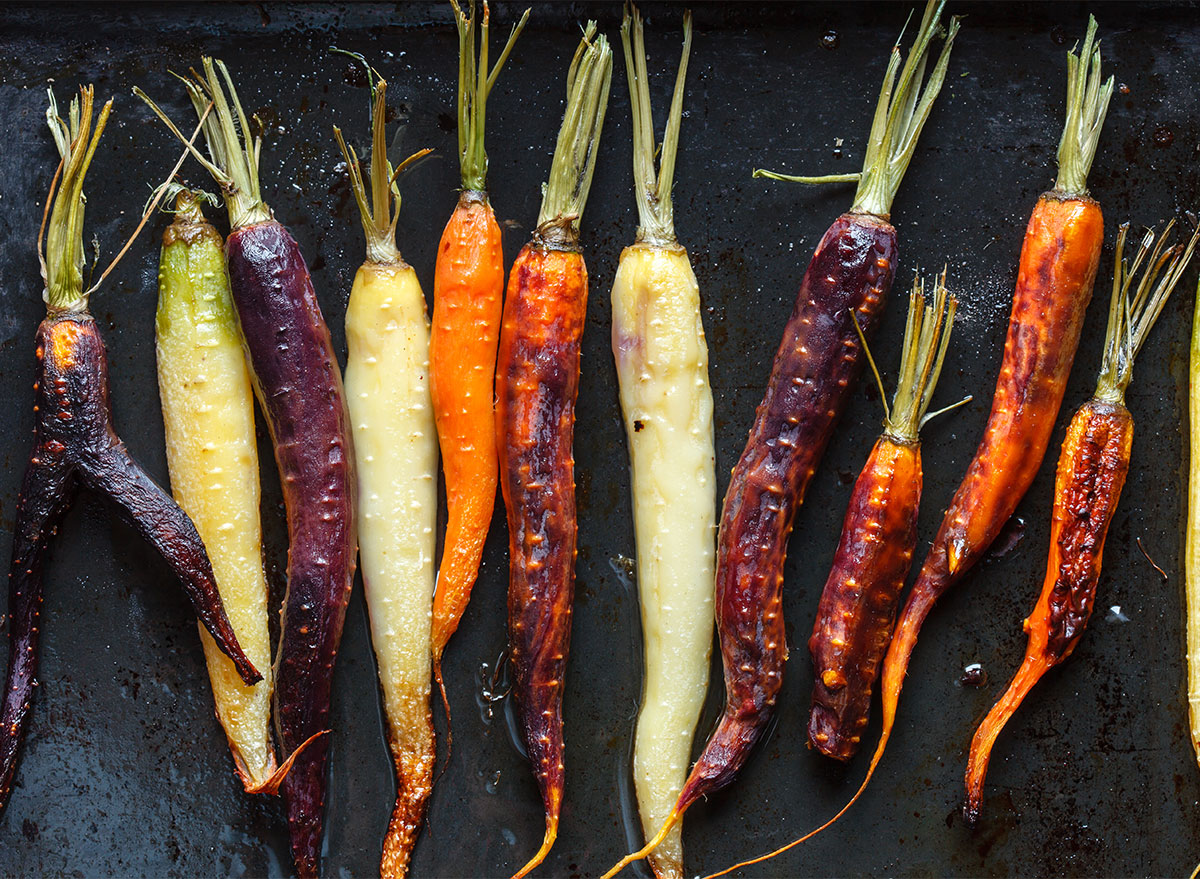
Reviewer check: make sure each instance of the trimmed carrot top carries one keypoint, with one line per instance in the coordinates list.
(474, 85)
(1087, 105)
(574, 161)
(656, 220)
(1130, 318)
(62, 263)
(377, 214)
(926, 338)
(900, 115)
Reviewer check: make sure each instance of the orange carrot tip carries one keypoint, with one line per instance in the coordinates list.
(1091, 473)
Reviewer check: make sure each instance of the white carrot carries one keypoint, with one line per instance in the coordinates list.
(1192, 548)
(395, 443)
(208, 415)
(662, 366)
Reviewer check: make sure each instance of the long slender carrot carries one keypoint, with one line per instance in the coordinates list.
(468, 289)
(818, 360)
(537, 380)
(1054, 284)
(212, 456)
(387, 391)
(1192, 540)
(662, 366)
(75, 444)
(879, 534)
(1092, 467)
(299, 387)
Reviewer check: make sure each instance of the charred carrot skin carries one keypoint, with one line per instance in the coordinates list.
(1054, 285)
(537, 380)
(815, 368)
(468, 289)
(856, 614)
(74, 443)
(1091, 473)
(299, 386)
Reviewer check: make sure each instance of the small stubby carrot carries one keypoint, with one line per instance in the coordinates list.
(387, 391)
(819, 358)
(468, 291)
(1092, 467)
(537, 381)
(1059, 256)
(299, 387)
(212, 457)
(666, 400)
(879, 535)
(75, 445)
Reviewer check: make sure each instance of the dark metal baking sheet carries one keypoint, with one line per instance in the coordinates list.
(126, 772)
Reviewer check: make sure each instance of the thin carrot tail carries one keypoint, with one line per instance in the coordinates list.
(894, 666)
(441, 684)
(883, 740)
(672, 820)
(1027, 675)
(414, 781)
(270, 784)
(547, 844)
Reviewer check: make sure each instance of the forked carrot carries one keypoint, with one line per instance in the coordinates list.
(1092, 468)
(468, 289)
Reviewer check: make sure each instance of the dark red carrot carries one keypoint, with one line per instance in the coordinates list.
(879, 534)
(299, 386)
(74, 444)
(1054, 283)
(537, 379)
(816, 365)
(1092, 467)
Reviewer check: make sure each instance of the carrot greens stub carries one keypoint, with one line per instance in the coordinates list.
(537, 380)
(75, 445)
(662, 368)
(387, 390)
(1092, 467)
(299, 387)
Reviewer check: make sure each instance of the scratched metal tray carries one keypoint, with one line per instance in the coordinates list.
(125, 771)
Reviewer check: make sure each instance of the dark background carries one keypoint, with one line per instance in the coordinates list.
(125, 770)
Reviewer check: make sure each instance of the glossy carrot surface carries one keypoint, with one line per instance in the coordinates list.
(1092, 468)
(468, 286)
(537, 380)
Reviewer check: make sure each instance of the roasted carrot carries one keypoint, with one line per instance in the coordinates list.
(212, 456)
(879, 534)
(1192, 540)
(537, 380)
(1054, 284)
(387, 390)
(817, 362)
(74, 443)
(299, 387)
(1092, 467)
(662, 367)
(468, 288)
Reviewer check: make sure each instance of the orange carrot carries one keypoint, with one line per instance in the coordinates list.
(1091, 473)
(1054, 285)
(468, 285)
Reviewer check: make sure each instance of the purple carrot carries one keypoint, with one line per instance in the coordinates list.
(812, 377)
(74, 442)
(299, 386)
